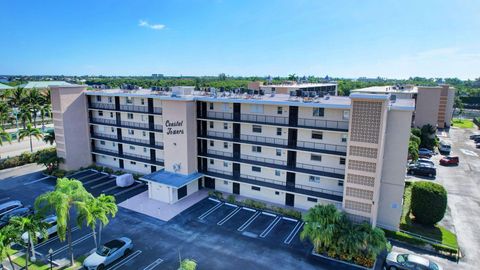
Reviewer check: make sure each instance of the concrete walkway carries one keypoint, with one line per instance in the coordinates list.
(160, 210)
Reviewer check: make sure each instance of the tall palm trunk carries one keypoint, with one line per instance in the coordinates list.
(100, 233)
(34, 257)
(94, 234)
(31, 145)
(70, 247)
(10, 261)
(27, 253)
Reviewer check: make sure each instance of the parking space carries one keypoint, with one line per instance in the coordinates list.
(282, 230)
(219, 213)
(259, 224)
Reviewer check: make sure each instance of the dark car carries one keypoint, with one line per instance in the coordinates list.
(424, 152)
(474, 136)
(9, 206)
(449, 160)
(477, 140)
(422, 169)
(20, 212)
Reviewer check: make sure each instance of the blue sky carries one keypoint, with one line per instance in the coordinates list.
(345, 38)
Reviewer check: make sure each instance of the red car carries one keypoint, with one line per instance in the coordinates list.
(449, 160)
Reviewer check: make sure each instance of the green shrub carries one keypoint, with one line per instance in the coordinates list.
(428, 202)
(26, 157)
(118, 173)
(415, 138)
(108, 170)
(231, 199)
(59, 173)
(417, 132)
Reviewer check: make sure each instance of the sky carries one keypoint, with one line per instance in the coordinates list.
(339, 38)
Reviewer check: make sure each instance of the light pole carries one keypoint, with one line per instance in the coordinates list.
(50, 254)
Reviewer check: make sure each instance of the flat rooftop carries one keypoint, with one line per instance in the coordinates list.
(387, 89)
(327, 101)
(298, 86)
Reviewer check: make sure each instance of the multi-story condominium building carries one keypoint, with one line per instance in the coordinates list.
(288, 150)
(318, 89)
(434, 104)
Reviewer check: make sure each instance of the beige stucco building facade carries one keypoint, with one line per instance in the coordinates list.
(291, 150)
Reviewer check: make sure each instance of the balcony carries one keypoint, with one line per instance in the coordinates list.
(220, 115)
(264, 119)
(219, 153)
(105, 136)
(323, 147)
(220, 171)
(323, 124)
(104, 121)
(134, 124)
(157, 110)
(133, 108)
(105, 150)
(135, 140)
(104, 106)
(158, 127)
(126, 124)
(264, 140)
(279, 185)
(218, 134)
(127, 140)
(264, 160)
(320, 168)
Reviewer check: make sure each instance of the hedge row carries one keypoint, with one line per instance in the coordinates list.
(23, 159)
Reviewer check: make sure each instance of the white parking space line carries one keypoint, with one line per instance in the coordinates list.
(469, 152)
(153, 264)
(290, 219)
(73, 175)
(209, 211)
(127, 190)
(292, 234)
(76, 242)
(95, 180)
(38, 180)
(103, 184)
(125, 260)
(86, 176)
(215, 200)
(229, 216)
(109, 189)
(50, 240)
(4, 199)
(248, 222)
(270, 227)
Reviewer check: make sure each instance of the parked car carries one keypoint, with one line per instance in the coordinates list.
(425, 161)
(445, 147)
(449, 160)
(422, 169)
(20, 212)
(9, 206)
(424, 152)
(51, 222)
(477, 145)
(397, 261)
(474, 136)
(108, 253)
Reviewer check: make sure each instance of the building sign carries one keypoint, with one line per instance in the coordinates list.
(174, 127)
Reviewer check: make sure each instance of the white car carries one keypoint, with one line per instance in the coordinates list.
(108, 253)
(398, 261)
(51, 228)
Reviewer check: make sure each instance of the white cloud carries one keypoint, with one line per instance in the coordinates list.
(146, 24)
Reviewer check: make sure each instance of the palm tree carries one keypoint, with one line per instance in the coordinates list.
(45, 110)
(24, 115)
(34, 100)
(321, 225)
(49, 137)
(68, 194)
(5, 114)
(31, 225)
(8, 236)
(373, 240)
(30, 131)
(349, 239)
(4, 136)
(16, 97)
(98, 209)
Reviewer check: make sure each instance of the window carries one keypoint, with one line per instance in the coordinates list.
(212, 143)
(112, 129)
(132, 147)
(310, 199)
(99, 98)
(211, 124)
(144, 133)
(257, 129)
(144, 150)
(130, 115)
(142, 101)
(225, 164)
(344, 137)
(225, 182)
(279, 152)
(129, 100)
(102, 142)
(256, 169)
(255, 188)
(113, 144)
(279, 110)
(133, 162)
(226, 108)
(342, 161)
(314, 179)
(279, 131)
(314, 157)
(256, 149)
(111, 114)
(225, 145)
(277, 173)
(131, 132)
(225, 125)
(212, 161)
(211, 105)
(114, 159)
(143, 117)
(340, 183)
(317, 135)
(320, 112)
(110, 100)
(277, 193)
(346, 115)
(256, 108)
(145, 165)
(100, 113)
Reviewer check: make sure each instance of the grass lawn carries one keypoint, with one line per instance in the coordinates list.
(38, 265)
(462, 123)
(436, 232)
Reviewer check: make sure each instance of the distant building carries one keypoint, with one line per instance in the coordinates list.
(43, 84)
(5, 87)
(434, 104)
(160, 76)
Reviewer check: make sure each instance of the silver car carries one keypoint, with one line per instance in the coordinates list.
(9, 206)
(108, 253)
(399, 261)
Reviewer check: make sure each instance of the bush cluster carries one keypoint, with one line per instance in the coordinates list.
(24, 158)
(428, 202)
